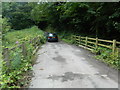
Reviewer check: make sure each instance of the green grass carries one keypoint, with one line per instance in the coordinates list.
(25, 34)
(14, 75)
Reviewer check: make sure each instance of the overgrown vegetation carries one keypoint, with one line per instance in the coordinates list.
(20, 36)
(15, 33)
(106, 56)
(13, 75)
(14, 71)
(19, 21)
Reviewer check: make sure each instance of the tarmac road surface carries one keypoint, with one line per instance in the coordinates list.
(60, 65)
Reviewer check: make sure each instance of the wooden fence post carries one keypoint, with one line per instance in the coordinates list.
(76, 40)
(114, 46)
(118, 52)
(6, 57)
(96, 44)
(30, 40)
(34, 42)
(79, 40)
(38, 40)
(71, 37)
(86, 40)
(24, 50)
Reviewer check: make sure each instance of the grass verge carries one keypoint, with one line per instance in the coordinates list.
(15, 74)
(13, 38)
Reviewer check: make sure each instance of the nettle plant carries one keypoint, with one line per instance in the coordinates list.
(12, 75)
(107, 56)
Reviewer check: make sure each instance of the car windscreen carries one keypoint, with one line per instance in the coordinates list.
(52, 35)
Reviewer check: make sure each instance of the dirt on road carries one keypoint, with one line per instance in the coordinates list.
(60, 65)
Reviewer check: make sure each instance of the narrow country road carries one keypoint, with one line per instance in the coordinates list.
(60, 65)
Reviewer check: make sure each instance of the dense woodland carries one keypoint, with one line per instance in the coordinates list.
(99, 19)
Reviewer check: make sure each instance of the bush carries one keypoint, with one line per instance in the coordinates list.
(13, 76)
(106, 56)
(5, 25)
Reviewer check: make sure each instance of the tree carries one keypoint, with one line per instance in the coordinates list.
(18, 14)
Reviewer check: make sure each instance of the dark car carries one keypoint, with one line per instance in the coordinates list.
(52, 37)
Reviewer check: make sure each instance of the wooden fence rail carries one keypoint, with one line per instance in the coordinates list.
(94, 43)
(6, 51)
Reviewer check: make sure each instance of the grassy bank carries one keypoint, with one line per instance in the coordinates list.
(11, 39)
(15, 74)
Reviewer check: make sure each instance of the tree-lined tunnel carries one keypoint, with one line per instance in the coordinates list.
(60, 65)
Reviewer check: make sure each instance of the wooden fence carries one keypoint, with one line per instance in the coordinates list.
(94, 43)
(6, 51)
